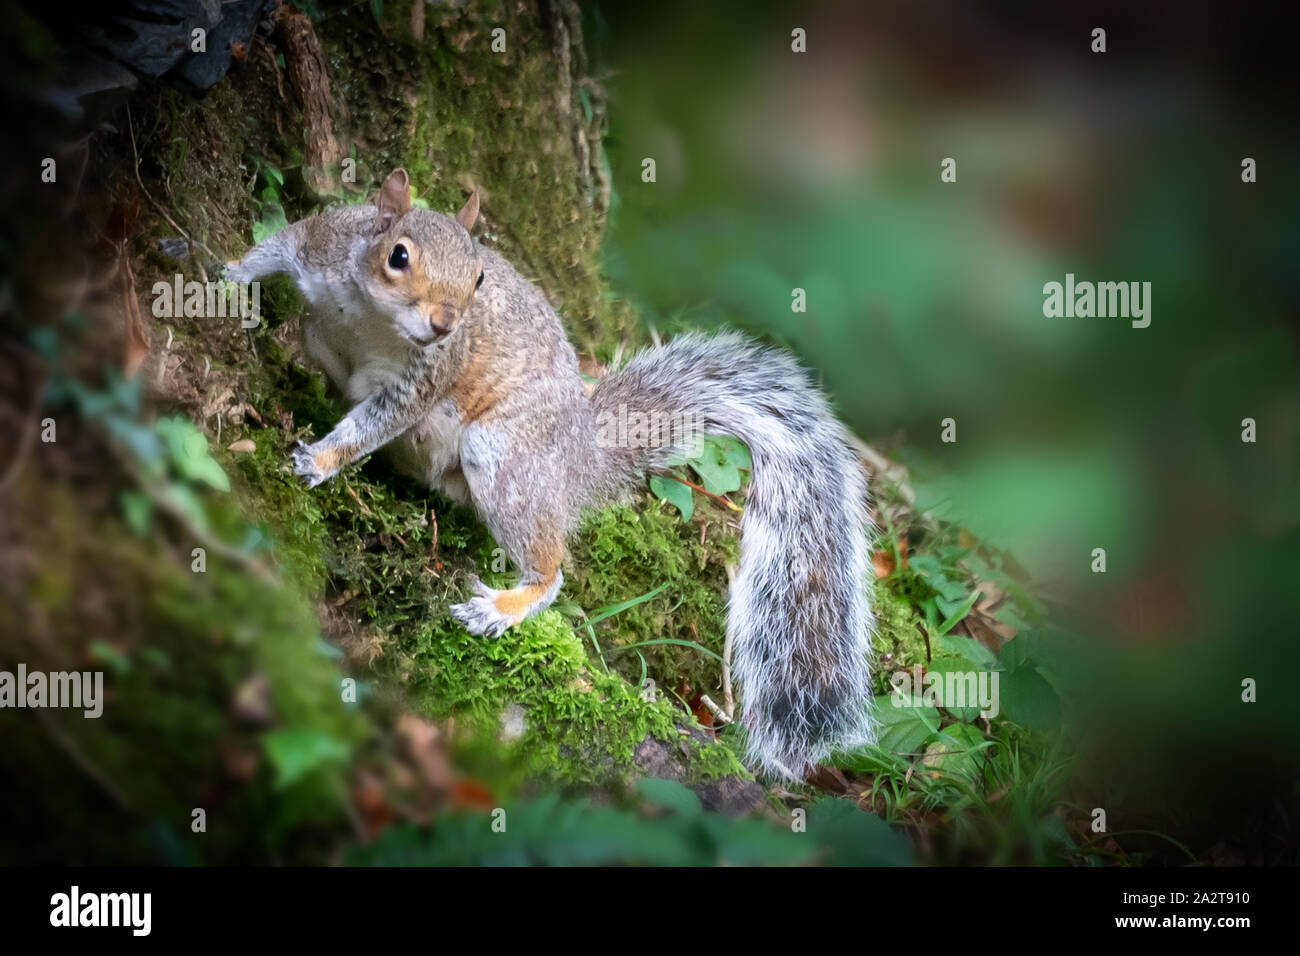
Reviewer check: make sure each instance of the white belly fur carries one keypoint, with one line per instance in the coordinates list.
(360, 353)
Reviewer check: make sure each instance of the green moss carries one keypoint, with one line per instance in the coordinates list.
(622, 552)
(178, 648)
(711, 761)
(457, 115)
(580, 725)
(898, 643)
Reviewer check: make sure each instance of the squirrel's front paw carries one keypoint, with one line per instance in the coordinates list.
(310, 463)
(479, 614)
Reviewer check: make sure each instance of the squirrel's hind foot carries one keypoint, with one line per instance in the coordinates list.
(479, 615)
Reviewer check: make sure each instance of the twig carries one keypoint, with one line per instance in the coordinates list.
(725, 502)
(728, 702)
(163, 212)
(717, 711)
(357, 498)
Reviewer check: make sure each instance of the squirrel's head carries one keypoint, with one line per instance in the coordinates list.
(424, 267)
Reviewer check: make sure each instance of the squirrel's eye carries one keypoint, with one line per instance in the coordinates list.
(480, 280)
(397, 259)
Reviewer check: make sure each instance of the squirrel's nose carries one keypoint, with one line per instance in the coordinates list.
(441, 320)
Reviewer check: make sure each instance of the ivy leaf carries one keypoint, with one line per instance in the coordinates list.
(188, 448)
(675, 493)
(135, 510)
(719, 464)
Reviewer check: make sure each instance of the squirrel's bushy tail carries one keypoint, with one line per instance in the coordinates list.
(799, 616)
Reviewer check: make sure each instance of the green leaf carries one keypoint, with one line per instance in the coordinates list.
(670, 795)
(186, 500)
(926, 565)
(957, 665)
(298, 751)
(734, 452)
(719, 464)
(612, 609)
(955, 645)
(272, 221)
(188, 448)
(675, 493)
(958, 751)
(855, 837)
(1028, 699)
(135, 510)
(101, 652)
(1026, 649)
(756, 842)
(903, 728)
(954, 617)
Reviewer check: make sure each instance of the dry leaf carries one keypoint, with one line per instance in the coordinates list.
(883, 561)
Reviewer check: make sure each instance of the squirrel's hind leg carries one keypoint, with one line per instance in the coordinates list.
(516, 480)
(537, 547)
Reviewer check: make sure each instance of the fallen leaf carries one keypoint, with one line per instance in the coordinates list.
(471, 795)
(372, 804)
(828, 778)
(883, 561)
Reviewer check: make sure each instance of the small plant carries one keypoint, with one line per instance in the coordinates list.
(271, 217)
(719, 466)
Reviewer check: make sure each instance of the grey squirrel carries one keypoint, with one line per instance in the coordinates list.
(450, 355)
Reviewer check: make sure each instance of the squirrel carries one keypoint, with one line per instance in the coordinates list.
(460, 365)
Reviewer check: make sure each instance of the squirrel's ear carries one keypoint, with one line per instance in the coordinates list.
(468, 214)
(394, 199)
